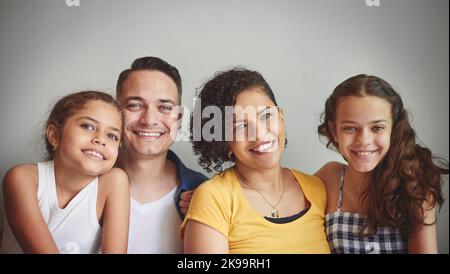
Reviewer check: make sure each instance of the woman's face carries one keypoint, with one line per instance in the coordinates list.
(362, 130)
(258, 130)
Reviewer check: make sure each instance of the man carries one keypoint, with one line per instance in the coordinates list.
(149, 94)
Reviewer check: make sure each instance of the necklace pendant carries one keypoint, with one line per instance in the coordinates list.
(275, 213)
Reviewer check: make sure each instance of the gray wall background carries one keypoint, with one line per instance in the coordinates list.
(303, 48)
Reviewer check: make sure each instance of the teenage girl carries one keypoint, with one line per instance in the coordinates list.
(383, 200)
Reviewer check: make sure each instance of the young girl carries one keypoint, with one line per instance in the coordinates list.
(384, 199)
(75, 202)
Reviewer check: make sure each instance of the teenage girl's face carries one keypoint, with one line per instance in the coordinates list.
(258, 127)
(362, 130)
(150, 107)
(89, 140)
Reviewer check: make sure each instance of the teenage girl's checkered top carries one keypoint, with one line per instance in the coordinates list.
(343, 233)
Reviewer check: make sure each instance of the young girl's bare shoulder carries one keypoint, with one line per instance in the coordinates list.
(21, 178)
(116, 178)
(330, 173)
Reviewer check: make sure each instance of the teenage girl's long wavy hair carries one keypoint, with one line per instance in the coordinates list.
(407, 177)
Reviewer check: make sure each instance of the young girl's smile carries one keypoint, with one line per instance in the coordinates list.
(362, 130)
(89, 140)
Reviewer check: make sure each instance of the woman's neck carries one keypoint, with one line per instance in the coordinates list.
(261, 179)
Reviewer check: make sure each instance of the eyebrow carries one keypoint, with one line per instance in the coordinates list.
(372, 122)
(95, 121)
(138, 98)
(167, 101)
(259, 113)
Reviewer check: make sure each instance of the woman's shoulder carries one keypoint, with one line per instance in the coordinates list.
(308, 180)
(219, 184)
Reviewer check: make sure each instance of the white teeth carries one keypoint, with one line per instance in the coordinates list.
(93, 153)
(149, 134)
(264, 147)
(364, 153)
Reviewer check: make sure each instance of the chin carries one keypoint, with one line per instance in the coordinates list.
(96, 169)
(364, 168)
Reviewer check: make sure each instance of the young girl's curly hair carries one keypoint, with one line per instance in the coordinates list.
(407, 177)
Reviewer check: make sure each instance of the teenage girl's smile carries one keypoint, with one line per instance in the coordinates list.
(363, 130)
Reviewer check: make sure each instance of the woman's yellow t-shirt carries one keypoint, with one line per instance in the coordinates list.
(220, 203)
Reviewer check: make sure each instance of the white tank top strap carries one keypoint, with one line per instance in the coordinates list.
(93, 194)
(43, 169)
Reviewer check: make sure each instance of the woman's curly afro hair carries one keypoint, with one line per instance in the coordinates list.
(221, 91)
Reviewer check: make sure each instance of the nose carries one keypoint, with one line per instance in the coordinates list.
(149, 117)
(364, 137)
(99, 140)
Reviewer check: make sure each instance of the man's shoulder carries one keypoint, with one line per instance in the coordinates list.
(187, 175)
(192, 177)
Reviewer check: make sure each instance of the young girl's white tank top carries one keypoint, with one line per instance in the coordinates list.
(75, 229)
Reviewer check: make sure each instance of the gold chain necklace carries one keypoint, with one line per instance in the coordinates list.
(274, 213)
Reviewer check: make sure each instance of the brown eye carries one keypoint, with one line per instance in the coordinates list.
(134, 106)
(349, 129)
(113, 137)
(377, 129)
(165, 108)
(88, 127)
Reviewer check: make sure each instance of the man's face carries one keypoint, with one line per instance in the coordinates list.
(150, 104)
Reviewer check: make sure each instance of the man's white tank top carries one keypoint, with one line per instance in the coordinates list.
(75, 229)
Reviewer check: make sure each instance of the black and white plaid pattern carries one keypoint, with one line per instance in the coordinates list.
(344, 238)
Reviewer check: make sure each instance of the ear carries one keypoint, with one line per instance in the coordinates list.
(52, 135)
(332, 129)
(281, 111)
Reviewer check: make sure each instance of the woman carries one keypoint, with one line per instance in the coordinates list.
(256, 206)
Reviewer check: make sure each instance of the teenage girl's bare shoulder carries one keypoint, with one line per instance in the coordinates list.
(330, 173)
(21, 179)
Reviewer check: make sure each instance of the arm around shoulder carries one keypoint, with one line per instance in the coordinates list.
(328, 171)
(116, 212)
(25, 219)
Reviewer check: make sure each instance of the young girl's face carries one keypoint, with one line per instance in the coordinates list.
(258, 126)
(362, 130)
(89, 140)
